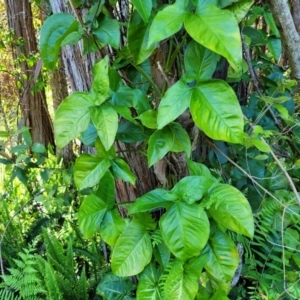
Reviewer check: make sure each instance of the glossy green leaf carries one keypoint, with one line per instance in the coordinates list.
(151, 200)
(231, 209)
(182, 142)
(167, 22)
(144, 8)
(121, 170)
(89, 136)
(223, 257)
(185, 229)
(132, 252)
(72, 117)
(55, 29)
(100, 84)
(89, 169)
(175, 101)
(240, 9)
(218, 31)
(180, 284)
(216, 110)
(148, 288)
(107, 32)
(38, 148)
(149, 118)
(112, 287)
(275, 47)
(90, 215)
(106, 190)
(192, 188)
(200, 61)
(160, 143)
(137, 37)
(102, 152)
(112, 227)
(162, 254)
(125, 112)
(105, 120)
(271, 23)
(129, 133)
(198, 169)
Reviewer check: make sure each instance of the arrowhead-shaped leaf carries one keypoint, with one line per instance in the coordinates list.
(72, 117)
(132, 252)
(55, 29)
(105, 120)
(231, 209)
(216, 110)
(90, 215)
(217, 30)
(121, 170)
(182, 142)
(88, 170)
(106, 190)
(185, 229)
(175, 101)
(144, 8)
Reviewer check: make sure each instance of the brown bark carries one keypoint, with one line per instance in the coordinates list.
(33, 105)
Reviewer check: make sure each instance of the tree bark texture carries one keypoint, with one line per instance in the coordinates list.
(33, 104)
(290, 37)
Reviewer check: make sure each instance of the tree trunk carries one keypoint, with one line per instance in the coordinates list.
(33, 104)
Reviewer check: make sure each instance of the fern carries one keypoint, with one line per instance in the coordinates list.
(7, 294)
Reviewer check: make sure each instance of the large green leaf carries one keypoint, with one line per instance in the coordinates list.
(108, 32)
(216, 110)
(121, 170)
(182, 140)
(100, 84)
(106, 189)
(192, 188)
(55, 29)
(151, 200)
(231, 209)
(90, 215)
(223, 257)
(180, 284)
(144, 8)
(240, 9)
(89, 169)
(72, 117)
(133, 250)
(167, 22)
(200, 61)
(218, 31)
(175, 101)
(105, 120)
(112, 227)
(160, 143)
(137, 37)
(185, 229)
(148, 284)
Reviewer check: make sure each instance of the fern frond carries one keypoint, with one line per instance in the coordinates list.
(7, 294)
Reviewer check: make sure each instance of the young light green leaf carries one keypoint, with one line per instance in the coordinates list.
(218, 31)
(137, 37)
(55, 29)
(132, 252)
(216, 110)
(167, 22)
(107, 32)
(144, 8)
(149, 118)
(72, 117)
(231, 209)
(100, 84)
(198, 169)
(192, 188)
(223, 257)
(90, 215)
(102, 152)
(151, 200)
(240, 9)
(112, 227)
(182, 140)
(88, 170)
(105, 120)
(106, 190)
(175, 101)
(180, 284)
(121, 170)
(185, 229)
(148, 284)
(160, 143)
(200, 61)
